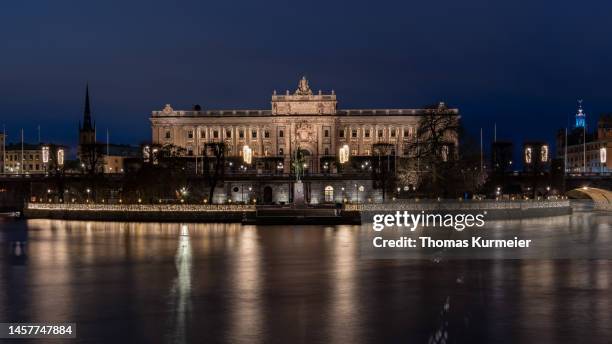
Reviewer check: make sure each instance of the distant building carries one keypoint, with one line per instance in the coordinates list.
(34, 158)
(502, 156)
(116, 155)
(536, 156)
(587, 151)
(108, 158)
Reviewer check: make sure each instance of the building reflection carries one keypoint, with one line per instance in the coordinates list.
(180, 293)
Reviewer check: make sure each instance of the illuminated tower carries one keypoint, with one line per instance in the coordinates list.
(580, 116)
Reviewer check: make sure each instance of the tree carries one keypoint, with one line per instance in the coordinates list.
(434, 148)
(383, 167)
(214, 165)
(92, 158)
(162, 175)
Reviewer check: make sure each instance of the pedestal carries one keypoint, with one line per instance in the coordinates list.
(298, 194)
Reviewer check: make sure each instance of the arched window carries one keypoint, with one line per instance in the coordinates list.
(329, 193)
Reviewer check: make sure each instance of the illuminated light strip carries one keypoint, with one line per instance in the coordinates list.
(141, 207)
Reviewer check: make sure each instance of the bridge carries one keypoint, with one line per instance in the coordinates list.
(602, 198)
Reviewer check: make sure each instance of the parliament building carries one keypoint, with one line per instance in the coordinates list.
(301, 120)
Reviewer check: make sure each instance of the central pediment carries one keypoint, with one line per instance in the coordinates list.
(304, 102)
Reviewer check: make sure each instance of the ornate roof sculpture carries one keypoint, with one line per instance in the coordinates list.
(303, 88)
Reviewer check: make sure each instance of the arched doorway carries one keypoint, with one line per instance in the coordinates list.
(329, 193)
(267, 195)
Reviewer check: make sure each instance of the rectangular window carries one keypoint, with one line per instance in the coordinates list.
(203, 133)
(190, 134)
(241, 134)
(281, 133)
(354, 133)
(228, 134)
(254, 133)
(267, 134)
(393, 132)
(280, 151)
(326, 133)
(367, 133)
(341, 133)
(167, 134)
(216, 134)
(380, 133)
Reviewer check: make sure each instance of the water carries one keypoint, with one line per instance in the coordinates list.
(226, 283)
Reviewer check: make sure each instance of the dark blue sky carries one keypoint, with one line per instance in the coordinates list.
(521, 64)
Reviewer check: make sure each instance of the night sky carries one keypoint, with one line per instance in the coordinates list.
(521, 64)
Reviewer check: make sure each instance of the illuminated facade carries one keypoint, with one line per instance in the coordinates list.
(33, 159)
(311, 122)
(587, 151)
(263, 143)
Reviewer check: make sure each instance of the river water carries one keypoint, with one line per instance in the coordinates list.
(227, 283)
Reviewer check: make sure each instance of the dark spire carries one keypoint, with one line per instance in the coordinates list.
(87, 111)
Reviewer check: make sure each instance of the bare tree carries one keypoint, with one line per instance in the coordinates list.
(214, 165)
(434, 148)
(383, 167)
(92, 158)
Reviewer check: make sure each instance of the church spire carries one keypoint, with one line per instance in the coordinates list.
(87, 111)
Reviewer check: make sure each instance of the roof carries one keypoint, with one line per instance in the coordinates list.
(265, 113)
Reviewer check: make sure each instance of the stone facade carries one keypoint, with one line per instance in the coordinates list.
(310, 122)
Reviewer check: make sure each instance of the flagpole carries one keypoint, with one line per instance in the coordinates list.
(21, 151)
(481, 157)
(584, 148)
(3, 148)
(565, 155)
(495, 132)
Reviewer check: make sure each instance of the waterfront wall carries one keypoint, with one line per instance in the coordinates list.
(140, 212)
(236, 213)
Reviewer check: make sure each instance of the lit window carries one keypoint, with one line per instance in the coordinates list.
(329, 193)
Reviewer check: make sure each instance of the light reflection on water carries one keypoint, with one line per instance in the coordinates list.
(226, 283)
